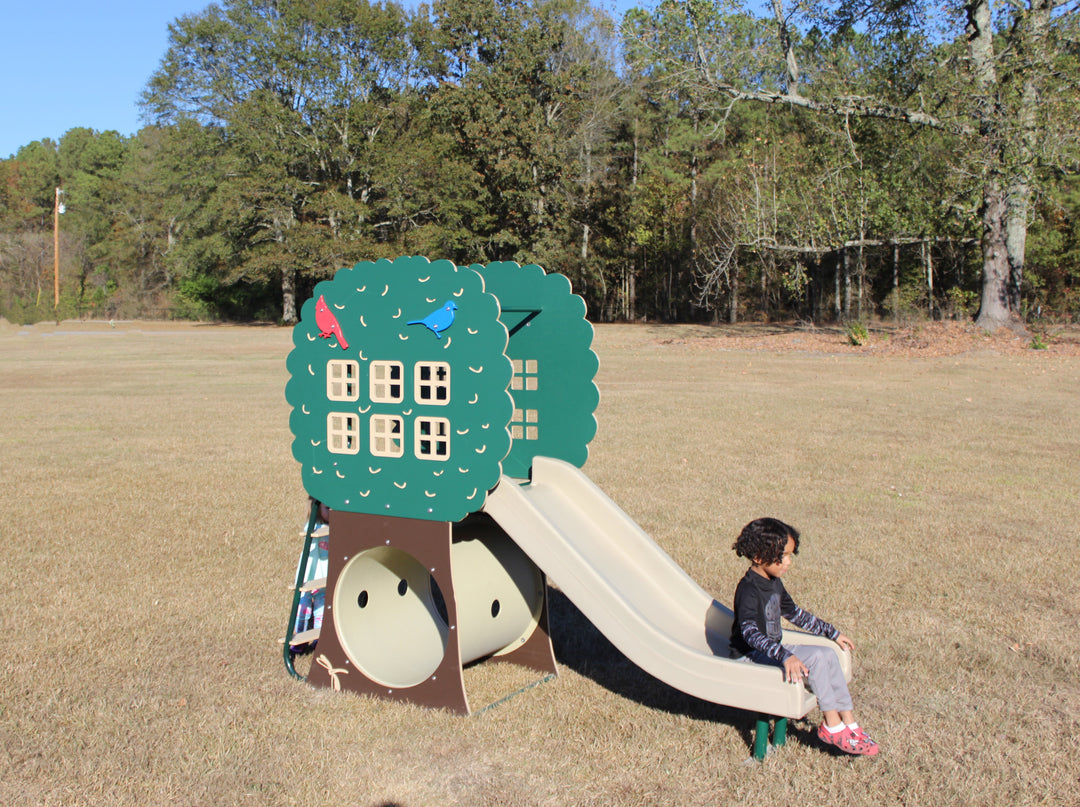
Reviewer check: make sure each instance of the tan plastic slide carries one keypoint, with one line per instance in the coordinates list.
(635, 594)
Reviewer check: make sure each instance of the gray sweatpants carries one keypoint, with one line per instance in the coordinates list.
(826, 675)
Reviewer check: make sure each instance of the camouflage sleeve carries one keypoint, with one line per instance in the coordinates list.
(811, 624)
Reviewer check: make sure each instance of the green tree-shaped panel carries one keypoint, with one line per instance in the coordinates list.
(550, 348)
(398, 383)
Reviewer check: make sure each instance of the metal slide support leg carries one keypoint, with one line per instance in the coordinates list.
(761, 734)
(780, 731)
(761, 737)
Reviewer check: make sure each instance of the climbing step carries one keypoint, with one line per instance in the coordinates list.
(305, 637)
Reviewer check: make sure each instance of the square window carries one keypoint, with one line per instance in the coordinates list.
(521, 416)
(431, 383)
(526, 374)
(342, 378)
(432, 439)
(342, 433)
(385, 382)
(387, 436)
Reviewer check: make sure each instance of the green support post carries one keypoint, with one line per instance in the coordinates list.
(761, 734)
(780, 732)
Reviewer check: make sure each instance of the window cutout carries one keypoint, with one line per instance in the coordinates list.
(385, 384)
(432, 439)
(342, 433)
(431, 383)
(342, 378)
(523, 416)
(387, 436)
(526, 374)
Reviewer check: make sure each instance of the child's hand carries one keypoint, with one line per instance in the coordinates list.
(845, 643)
(795, 671)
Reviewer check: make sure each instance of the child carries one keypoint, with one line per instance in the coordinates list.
(760, 601)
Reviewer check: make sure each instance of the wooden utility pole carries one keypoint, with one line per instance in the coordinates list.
(56, 250)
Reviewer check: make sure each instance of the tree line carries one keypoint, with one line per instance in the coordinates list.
(835, 160)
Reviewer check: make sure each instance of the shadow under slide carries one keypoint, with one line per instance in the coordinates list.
(636, 595)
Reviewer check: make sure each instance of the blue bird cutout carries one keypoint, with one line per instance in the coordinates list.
(438, 320)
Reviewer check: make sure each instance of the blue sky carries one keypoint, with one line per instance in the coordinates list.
(66, 64)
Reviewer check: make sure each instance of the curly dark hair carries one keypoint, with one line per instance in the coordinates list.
(763, 540)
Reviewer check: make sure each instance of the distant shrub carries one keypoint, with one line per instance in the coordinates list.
(856, 333)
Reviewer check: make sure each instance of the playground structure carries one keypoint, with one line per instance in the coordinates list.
(443, 414)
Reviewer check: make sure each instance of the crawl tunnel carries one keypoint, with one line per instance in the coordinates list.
(391, 620)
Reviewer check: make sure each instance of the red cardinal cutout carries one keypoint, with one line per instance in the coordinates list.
(328, 324)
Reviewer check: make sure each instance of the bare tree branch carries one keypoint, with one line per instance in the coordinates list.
(846, 106)
(852, 106)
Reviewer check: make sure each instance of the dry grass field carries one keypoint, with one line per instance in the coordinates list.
(149, 518)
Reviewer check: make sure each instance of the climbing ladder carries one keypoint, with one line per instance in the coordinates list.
(299, 642)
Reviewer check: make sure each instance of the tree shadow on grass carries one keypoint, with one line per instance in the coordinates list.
(585, 650)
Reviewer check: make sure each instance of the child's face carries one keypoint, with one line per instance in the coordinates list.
(777, 569)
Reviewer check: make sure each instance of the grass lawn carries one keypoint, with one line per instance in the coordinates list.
(150, 511)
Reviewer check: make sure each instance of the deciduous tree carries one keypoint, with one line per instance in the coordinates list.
(992, 102)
